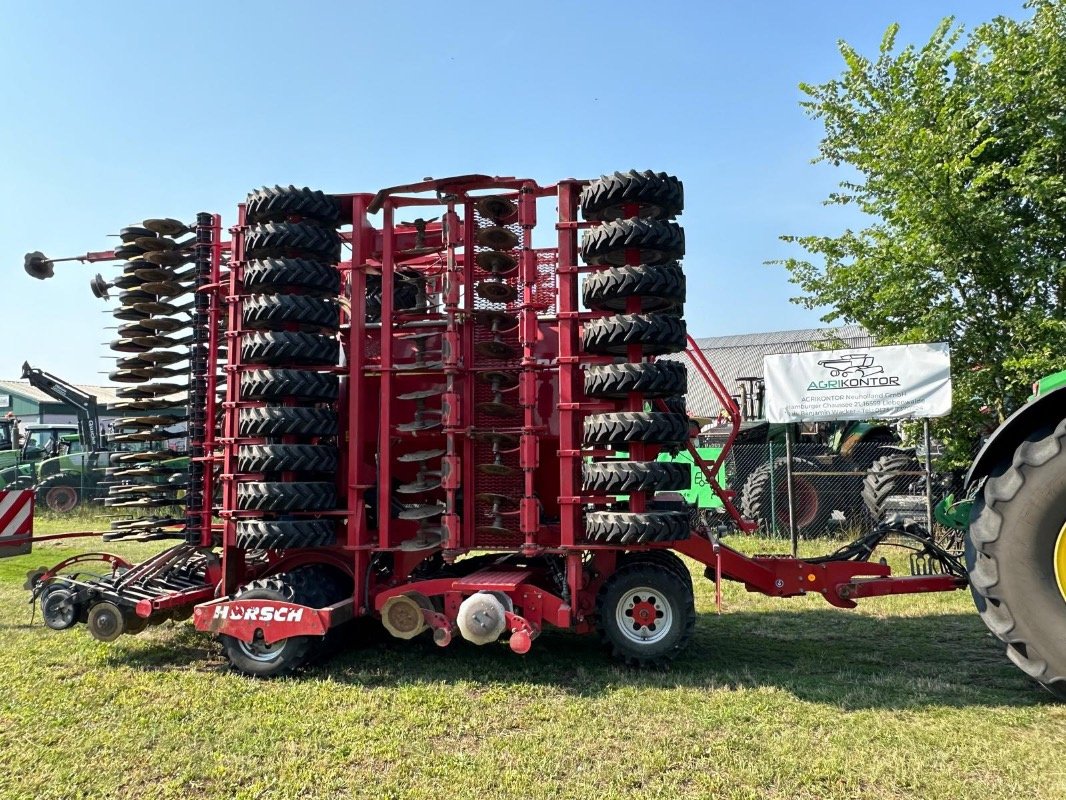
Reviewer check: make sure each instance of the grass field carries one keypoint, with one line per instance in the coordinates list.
(904, 697)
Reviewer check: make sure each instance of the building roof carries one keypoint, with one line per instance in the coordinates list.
(741, 356)
(105, 395)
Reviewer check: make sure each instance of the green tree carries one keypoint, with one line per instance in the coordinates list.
(956, 153)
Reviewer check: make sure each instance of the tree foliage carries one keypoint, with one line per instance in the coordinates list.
(956, 153)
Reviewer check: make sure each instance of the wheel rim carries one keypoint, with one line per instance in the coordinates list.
(58, 609)
(61, 498)
(804, 498)
(643, 616)
(259, 650)
(1060, 561)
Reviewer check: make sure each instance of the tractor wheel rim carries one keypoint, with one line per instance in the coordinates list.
(1060, 561)
(643, 616)
(804, 499)
(61, 498)
(259, 650)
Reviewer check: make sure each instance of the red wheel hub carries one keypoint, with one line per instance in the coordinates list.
(644, 613)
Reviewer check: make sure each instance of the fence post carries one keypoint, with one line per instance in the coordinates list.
(788, 477)
(928, 477)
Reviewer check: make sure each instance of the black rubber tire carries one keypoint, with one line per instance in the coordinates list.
(665, 558)
(285, 274)
(292, 240)
(279, 384)
(259, 534)
(657, 334)
(657, 241)
(1015, 523)
(647, 527)
(885, 479)
(758, 503)
(278, 421)
(290, 347)
(286, 497)
(279, 203)
(60, 494)
(404, 295)
(622, 477)
(274, 311)
(625, 427)
(286, 458)
(658, 379)
(660, 287)
(659, 196)
(58, 607)
(669, 590)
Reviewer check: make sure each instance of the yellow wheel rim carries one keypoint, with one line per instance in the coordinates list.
(1060, 561)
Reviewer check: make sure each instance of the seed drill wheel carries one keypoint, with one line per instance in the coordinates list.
(645, 613)
(106, 622)
(1016, 556)
(58, 607)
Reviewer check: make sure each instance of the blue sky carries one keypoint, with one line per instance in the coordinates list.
(118, 111)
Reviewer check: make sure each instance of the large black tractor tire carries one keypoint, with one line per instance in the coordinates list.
(625, 427)
(656, 334)
(664, 558)
(281, 203)
(660, 287)
(647, 527)
(886, 478)
(764, 498)
(658, 379)
(60, 494)
(622, 477)
(311, 586)
(645, 614)
(258, 534)
(1017, 563)
(286, 458)
(656, 241)
(285, 274)
(278, 421)
(292, 240)
(286, 497)
(280, 384)
(290, 347)
(273, 311)
(404, 295)
(657, 195)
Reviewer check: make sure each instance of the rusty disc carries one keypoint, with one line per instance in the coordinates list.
(497, 238)
(167, 258)
(421, 455)
(496, 291)
(497, 208)
(496, 262)
(497, 469)
(505, 441)
(505, 380)
(496, 349)
(422, 394)
(153, 243)
(495, 499)
(166, 226)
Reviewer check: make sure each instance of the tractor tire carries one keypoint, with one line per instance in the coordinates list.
(660, 288)
(664, 558)
(1018, 541)
(404, 296)
(286, 497)
(60, 493)
(648, 527)
(658, 379)
(885, 478)
(623, 428)
(292, 240)
(290, 347)
(277, 421)
(282, 203)
(280, 384)
(286, 458)
(645, 614)
(657, 242)
(258, 534)
(622, 477)
(658, 196)
(285, 274)
(764, 498)
(274, 311)
(657, 334)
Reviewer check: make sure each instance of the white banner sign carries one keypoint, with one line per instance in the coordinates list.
(908, 381)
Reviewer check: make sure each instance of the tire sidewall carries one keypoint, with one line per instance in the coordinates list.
(672, 591)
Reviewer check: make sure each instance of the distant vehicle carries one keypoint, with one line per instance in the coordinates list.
(858, 364)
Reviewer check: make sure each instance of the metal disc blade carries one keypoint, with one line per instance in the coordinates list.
(168, 258)
(166, 226)
(496, 262)
(153, 243)
(506, 380)
(497, 409)
(497, 238)
(505, 441)
(421, 512)
(421, 455)
(128, 346)
(421, 394)
(496, 208)
(494, 499)
(502, 320)
(133, 232)
(419, 486)
(496, 291)
(419, 425)
(497, 469)
(425, 540)
(496, 349)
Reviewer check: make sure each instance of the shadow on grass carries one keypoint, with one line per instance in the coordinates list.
(848, 660)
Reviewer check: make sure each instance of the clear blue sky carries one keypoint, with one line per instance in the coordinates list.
(114, 112)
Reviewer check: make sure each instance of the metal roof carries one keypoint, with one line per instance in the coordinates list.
(741, 356)
(105, 395)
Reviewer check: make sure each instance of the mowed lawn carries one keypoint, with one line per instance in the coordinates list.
(902, 698)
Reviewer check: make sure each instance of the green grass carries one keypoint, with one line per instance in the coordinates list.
(904, 697)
